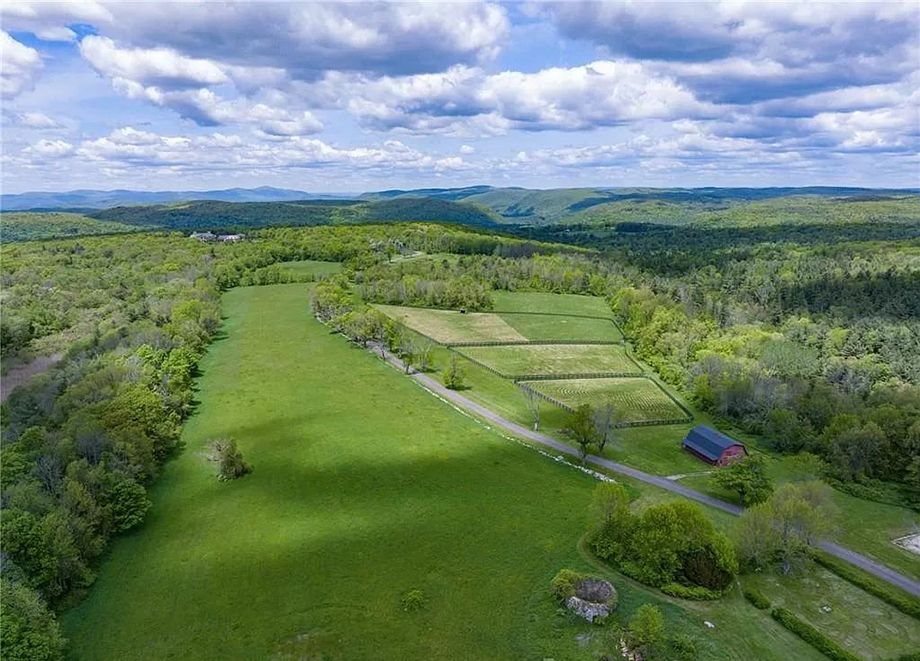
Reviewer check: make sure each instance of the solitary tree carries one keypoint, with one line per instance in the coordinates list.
(453, 375)
(581, 428)
(606, 421)
(229, 459)
(423, 356)
(408, 353)
(785, 526)
(533, 405)
(748, 478)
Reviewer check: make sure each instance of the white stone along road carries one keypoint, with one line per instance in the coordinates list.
(881, 571)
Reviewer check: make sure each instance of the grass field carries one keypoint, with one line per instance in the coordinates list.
(860, 622)
(638, 399)
(552, 327)
(571, 304)
(307, 557)
(449, 326)
(540, 359)
(310, 267)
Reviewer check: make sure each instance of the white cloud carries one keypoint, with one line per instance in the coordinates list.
(306, 39)
(20, 66)
(32, 120)
(159, 67)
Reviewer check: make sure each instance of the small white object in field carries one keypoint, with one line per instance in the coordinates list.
(826, 609)
(910, 543)
(709, 625)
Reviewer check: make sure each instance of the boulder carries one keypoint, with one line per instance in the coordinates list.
(594, 599)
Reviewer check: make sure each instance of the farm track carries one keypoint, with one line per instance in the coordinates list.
(859, 560)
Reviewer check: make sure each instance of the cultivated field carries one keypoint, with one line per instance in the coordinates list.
(639, 399)
(449, 326)
(547, 359)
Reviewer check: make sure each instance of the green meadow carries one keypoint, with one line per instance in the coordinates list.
(364, 487)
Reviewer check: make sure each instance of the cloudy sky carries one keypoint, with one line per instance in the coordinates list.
(353, 96)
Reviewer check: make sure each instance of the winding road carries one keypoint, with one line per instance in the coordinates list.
(464, 403)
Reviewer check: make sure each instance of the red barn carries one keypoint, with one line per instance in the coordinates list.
(713, 447)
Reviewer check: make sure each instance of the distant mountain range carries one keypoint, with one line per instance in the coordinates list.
(510, 204)
(104, 199)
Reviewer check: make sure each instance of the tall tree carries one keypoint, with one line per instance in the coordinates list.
(748, 478)
(580, 427)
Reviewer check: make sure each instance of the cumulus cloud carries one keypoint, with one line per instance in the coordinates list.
(130, 146)
(306, 39)
(21, 65)
(156, 67)
(49, 21)
(733, 52)
(468, 100)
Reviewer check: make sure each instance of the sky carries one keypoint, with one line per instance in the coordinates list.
(350, 97)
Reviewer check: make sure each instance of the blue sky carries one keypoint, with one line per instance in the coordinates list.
(355, 96)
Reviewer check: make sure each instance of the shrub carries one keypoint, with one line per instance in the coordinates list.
(413, 600)
(564, 583)
(812, 636)
(888, 593)
(229, 459)
(696, 592)
(682, 648)
(756, 597)
(646, 630)
(453, 375)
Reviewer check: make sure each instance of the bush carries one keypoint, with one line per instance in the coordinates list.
(696, 592)
(413, 600)
(229, 459)
(682, 648)
(564, 583)
(891, 595)
(453, 375)
(756, 597)
(812, 636)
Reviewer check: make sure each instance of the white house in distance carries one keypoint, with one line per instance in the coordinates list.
(210, 236)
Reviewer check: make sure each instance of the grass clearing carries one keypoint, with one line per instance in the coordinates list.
(571, 304)
(311, 267)
(640, 399)
(855, 619)
(549, 359)
(554, 328)
(449, 326)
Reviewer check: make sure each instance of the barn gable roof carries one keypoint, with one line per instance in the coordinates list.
(709, 442)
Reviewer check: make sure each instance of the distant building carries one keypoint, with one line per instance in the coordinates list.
(713, 446)
(210, 236)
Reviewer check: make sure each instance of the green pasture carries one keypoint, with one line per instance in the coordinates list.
(310, 267)
(549, 359)
(570, 304)
(860, 622)
(552, 327)
(637, 399)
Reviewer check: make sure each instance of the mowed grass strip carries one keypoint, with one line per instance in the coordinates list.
(553, 328)
(571, 304)
(549, 359)
(449, 326)
(639, 399)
